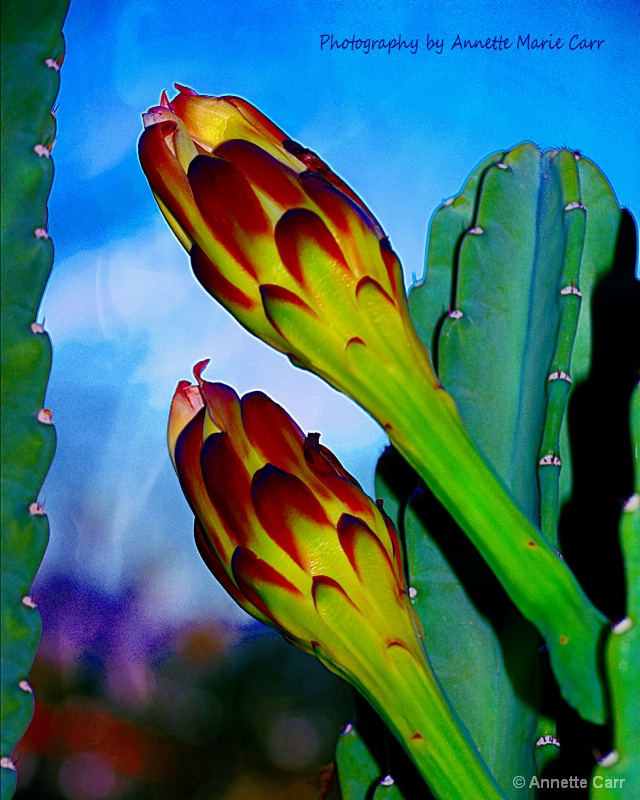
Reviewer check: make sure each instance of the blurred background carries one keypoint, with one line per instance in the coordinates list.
(150, 682)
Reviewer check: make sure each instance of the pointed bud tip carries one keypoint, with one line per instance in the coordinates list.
(185, 90)
(199, 368)
(164, 100)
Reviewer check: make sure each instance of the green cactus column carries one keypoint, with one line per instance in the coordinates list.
(32, 52)
(618, 772)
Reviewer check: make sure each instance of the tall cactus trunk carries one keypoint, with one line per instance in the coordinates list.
(32, 53)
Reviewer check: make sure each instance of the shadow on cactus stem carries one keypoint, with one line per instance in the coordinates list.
(598, 414)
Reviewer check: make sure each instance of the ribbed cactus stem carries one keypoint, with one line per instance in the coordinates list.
(32, 52)
(447, 228)
(559, 380)
(358, 770)
(618, 772)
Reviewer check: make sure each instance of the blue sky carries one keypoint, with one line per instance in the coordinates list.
(126, 316)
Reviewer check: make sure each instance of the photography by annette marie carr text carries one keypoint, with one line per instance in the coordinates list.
(437, 45)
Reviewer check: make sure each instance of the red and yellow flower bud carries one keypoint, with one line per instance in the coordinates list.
(276, 236)
(296, 542)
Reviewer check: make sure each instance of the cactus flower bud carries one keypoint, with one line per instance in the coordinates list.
(296, 542)
(273, 233)
(286, 246)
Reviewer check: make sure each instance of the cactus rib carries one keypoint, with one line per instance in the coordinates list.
(559, 379)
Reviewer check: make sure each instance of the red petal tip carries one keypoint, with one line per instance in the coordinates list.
(164, 100)
(399, 644)
(185, 89)
(325, 582)
(199, 369)
(369, 281)
(183, 386)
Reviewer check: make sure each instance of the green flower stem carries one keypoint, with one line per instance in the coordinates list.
(407, 696)
(423, 424)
